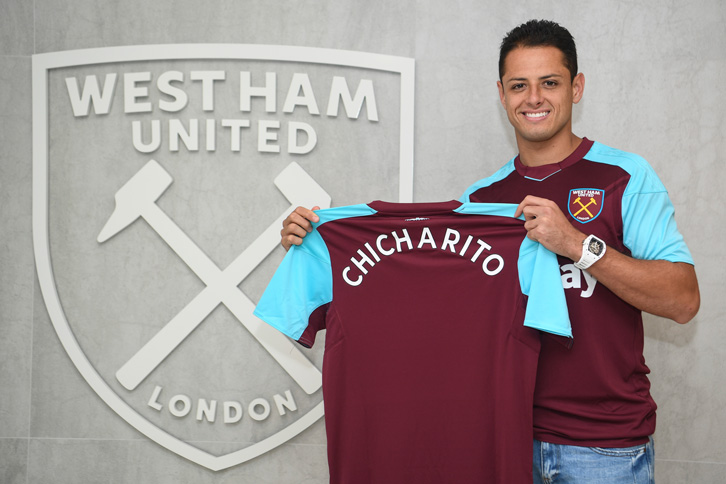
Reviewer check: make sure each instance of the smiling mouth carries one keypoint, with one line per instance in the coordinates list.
(536, 115)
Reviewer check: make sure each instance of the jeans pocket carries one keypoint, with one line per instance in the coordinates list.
(621, 451)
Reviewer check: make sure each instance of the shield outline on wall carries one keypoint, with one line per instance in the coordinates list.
(42, 64)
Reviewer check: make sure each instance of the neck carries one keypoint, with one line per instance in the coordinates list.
(554, 150)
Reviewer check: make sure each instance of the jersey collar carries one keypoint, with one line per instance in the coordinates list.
(539, 173)
(426, 208)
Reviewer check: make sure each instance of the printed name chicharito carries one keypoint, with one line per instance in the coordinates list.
(388, 244)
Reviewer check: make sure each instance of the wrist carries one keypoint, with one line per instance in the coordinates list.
(593, 249)
(576, 248)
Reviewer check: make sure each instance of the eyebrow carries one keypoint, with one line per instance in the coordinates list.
(541, 78)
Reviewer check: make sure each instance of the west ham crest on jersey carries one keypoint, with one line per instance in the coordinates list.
(585, 204)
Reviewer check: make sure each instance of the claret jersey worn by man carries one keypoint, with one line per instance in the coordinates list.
(433, 315)
(596, 394)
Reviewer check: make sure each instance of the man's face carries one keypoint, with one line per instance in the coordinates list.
(537, 93)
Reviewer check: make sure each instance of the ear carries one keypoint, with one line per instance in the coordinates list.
(578, 87)
(501, 93)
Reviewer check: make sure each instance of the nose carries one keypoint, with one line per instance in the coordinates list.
(534, 97)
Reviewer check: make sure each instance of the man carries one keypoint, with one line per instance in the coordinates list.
(609, 218)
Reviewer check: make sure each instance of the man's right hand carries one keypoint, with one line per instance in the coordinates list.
(297, 225)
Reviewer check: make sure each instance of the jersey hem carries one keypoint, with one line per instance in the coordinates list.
(604, 443)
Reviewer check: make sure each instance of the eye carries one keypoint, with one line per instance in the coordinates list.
(550, 83)
(517, 87)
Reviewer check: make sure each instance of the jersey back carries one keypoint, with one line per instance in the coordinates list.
(431, 349)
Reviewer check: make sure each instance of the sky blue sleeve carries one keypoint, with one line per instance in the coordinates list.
(302, 283)
(650, 230)
(539, 277)
(649, 224)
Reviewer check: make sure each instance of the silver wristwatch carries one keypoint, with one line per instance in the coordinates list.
(592, 250)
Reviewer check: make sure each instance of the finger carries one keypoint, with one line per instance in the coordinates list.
(286, 243)
(533, 200)
(528, 201)
(308, 214)
(299, 219)
(530, 212)
(314, 216)
(519, 211)
(292, 234)
(298, 227)
(289, 241)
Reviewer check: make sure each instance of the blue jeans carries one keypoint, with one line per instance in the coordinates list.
(568, 464)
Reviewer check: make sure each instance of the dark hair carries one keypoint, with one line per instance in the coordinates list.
(540, 33)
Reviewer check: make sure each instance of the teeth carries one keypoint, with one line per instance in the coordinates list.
(537, 115)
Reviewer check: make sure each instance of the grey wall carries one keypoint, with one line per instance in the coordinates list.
(654, 75)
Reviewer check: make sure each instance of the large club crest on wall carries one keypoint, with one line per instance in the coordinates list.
(161, 176)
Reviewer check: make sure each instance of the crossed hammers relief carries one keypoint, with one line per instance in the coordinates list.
(137, 198)
(584, 206)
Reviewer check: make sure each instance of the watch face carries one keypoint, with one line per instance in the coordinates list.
(595, 246)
